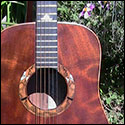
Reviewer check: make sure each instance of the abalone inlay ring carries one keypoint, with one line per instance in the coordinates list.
(50, 112)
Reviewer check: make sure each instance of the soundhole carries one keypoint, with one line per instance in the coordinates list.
(47, 89)
(46, 92)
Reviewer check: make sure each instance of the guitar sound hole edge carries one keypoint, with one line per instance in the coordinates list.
(61, 107)
(46, 88)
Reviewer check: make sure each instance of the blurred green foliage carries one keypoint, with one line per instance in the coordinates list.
(109, 27)
(12, 12)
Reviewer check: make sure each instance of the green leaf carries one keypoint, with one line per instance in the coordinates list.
(3, 3)
(122, 121)
(7, 23)
(17, 2)
(108, 101)
(8, 12)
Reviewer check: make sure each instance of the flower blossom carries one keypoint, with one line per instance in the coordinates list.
(86, 12)
(104, 4)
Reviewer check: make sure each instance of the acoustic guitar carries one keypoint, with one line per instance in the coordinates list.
(50, 72)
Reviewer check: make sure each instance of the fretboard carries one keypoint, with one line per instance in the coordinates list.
(46, 35)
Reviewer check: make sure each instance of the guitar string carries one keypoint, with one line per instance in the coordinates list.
(49, 119)
(45, 82)
(52, 87)
(57, 67)
(52, 90)
(48, 79)
(36, 80)
(44, 67)
(55, 89)
(39, 83)
(45, 64)
(43, 57)
(57, 72)
(40, 73)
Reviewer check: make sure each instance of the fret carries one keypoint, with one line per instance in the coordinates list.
(54, 5)
(48, 28)
(46, 40)
(46, 59)
(46, 24)
(47, 10)
(42, 21)
(47, 49)
(46, 34)
(46, 2)
(47, 66)
(46, 13)
(46, 46)
(52, 62)
(52, 31)
(46, 52)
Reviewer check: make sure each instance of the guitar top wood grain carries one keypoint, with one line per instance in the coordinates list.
(79, 51)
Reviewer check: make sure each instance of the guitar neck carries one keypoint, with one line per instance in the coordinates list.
(46, 35)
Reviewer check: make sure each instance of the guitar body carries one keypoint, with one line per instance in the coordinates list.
(79, 51)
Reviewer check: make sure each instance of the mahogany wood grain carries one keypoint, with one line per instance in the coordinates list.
(79, 51)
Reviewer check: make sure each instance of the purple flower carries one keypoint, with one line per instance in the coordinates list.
(100, 2)
(104, 4)
(92, 6)
(86, 12)
(108, 6)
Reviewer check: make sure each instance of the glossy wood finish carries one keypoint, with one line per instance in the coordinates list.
(79, 51)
